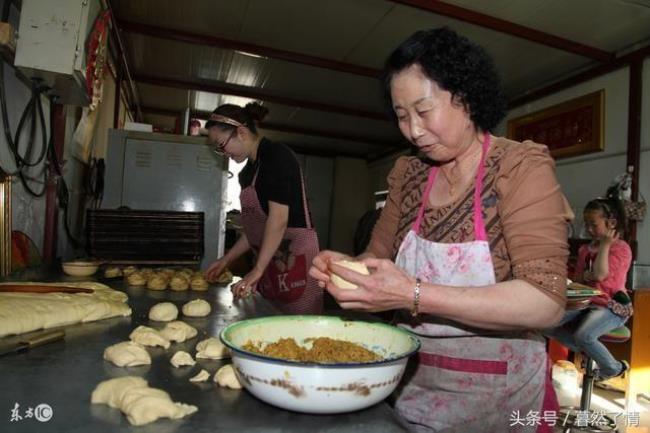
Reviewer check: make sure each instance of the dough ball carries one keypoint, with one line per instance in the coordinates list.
(138, 402)
(227, 378)
(211, 348)
(202, 376)
(163, 312)
(157, 282)
(354, 266)
(199, 283)
(136, 279)
(225, 277)
(149, 337)
(129, 270)
(179, 283)
(111, 391)
(127, 354)
(167, 272)
(178, 331)
(182, 358)
(112, 272)
(147, 272)
(197, 308)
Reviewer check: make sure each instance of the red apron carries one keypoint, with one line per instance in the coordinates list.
(285, 282)
(464, 380)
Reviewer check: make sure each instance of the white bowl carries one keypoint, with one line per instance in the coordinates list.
(80, 268)
(319, 388)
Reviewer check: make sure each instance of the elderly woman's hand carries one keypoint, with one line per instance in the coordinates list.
(386, 288)
(320, 266)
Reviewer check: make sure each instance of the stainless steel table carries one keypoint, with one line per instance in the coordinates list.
(63, 375)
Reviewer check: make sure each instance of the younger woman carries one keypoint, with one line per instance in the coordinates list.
(275, 217)
(602, 264)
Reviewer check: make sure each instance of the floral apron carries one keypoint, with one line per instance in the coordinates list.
(285, 282)
(465, 379)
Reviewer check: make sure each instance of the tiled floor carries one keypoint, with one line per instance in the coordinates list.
(634, 420)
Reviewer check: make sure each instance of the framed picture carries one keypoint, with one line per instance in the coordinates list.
(571, 128)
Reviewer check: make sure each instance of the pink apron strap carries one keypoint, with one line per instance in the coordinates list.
(479, 226)
(308, 221)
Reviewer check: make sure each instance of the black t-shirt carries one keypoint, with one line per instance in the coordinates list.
(278, 179)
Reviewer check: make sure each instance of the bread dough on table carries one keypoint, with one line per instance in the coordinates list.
(140, 403)
(354, 266)
(157, 282)
(149, 337)
(202, 376)
(129, 270)
(197, 308)
(163, 312)
(181, 359)
(199, 283)
(127, 354)
(225, 277)
(227, 378)
(179, 283)
(22, 312)
(211, 348)
(112, 272)
(136, 279)
(112, 391)
(178, 331)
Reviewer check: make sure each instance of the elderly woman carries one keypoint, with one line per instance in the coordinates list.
(477, 230)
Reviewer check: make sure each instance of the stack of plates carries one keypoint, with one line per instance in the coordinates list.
(578, 295)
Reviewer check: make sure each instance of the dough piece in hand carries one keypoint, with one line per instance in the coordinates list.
(157, 282)
(178, 331)
(202, 376)
(227, 378)
(112, 272)
(197, 308)
(199, 283)
(225, 277)
(211, 348)
(179, 283)
(149, 337)
(136, 279)
(140, 404)
(182, 358)
(354, 266)
(127, 354)
(163, 312)
(129, 270)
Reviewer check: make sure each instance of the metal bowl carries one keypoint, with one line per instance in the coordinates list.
(80, 268)
(314, 387)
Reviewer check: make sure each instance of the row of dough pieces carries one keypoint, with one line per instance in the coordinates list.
(160, 279)
(132, 395)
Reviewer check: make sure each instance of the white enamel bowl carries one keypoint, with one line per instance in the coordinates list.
(80, 268)
(319, 388)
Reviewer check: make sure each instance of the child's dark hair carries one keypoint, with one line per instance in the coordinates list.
(611, 208)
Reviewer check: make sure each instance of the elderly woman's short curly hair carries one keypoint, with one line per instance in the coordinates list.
(457, 65)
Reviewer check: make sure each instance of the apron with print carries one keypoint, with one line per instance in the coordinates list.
(285, 282)
(465, 379)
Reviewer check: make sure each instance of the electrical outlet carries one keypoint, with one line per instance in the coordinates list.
(7, 41)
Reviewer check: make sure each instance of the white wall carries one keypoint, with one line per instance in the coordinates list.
(643, 228)
(586, 177)
(28, 213)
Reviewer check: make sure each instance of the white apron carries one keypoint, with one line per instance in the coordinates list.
(468, 380)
